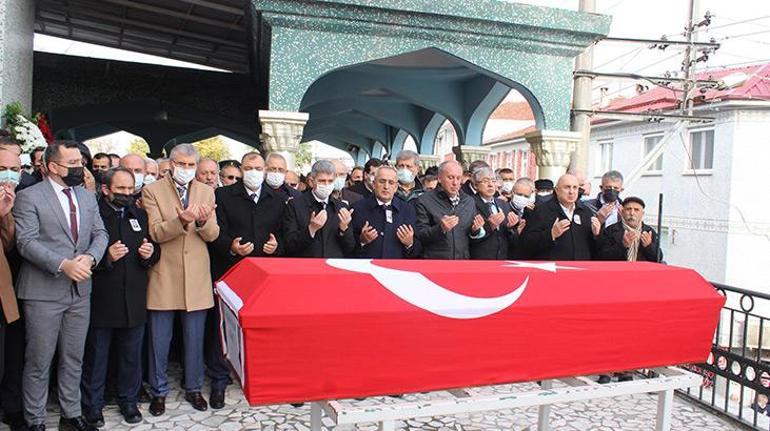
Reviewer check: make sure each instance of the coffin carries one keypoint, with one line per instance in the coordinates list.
(312, 329)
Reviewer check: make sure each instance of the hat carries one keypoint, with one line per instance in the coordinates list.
(544, 185)
(633, 199)
(225, 163)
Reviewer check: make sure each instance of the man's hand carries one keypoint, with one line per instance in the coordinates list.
(559, 227)
(368, 234)
(76, 270)
(317, 221)
(496, 219)
(89, 182)
(605, 212)
(271, 245)
(188, 215)
(204, 213)
(146, 249)
(512, 219)
(7, 198)
(646, 239)
(448, 222)
(405, 234)
(478, 223)
(596, 226)
(116, 251)
(628, 238)
(522, 225)
(345, 217)
(241, 249)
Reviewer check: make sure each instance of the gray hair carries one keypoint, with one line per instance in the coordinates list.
(526, 181)
(148, 160)
(408, 155)
(613, 176)
(385, 167)
(186, 150)
(323, 167)
(442, 167)
(483, 171)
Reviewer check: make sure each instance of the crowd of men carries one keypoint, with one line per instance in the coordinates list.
(102, 254)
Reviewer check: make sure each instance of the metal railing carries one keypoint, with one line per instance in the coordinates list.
(736, 376)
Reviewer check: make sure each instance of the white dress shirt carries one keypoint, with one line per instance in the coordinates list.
(64, 201)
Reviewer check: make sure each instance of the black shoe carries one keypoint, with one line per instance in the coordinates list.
(15, 421)
(604, 379)
(625, 377)
(94, 418)
(297, 405)
(38, 427)
(158, 406)
(75, 424)
(131, 414)
(217, 399)
(197, 401)
(143, 396)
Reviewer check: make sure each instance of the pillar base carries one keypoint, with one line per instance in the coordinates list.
(282, 133)
(553, 150)
(472, 153)
(429, 161)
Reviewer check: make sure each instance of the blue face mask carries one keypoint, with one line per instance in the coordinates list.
(9, 176)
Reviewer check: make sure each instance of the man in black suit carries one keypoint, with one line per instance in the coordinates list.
(118, 300)
(559, 228)
(630, 238)
(249, 216)
(501, 222)
(277, 177)
(384, 226)
(346, 195)
(26, 180)
(468, 188)
(365, 188)
(316, 224)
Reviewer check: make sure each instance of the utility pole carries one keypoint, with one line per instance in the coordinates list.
(581, 98)
(689, 59)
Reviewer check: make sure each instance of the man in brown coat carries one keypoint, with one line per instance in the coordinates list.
(181, 216)
(10, 167)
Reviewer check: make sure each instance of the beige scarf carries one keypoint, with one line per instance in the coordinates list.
(634, 248)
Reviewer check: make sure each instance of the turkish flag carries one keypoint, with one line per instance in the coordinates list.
(312, 329)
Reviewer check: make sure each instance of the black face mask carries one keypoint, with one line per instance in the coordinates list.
(74, 176)
(581, 193)
(122, 201)
(610, 195)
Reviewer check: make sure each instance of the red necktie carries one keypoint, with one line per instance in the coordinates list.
(73, 215)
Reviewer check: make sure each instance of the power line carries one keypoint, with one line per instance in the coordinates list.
(734, 22)
(639, 49)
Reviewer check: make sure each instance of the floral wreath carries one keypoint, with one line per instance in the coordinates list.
(29, 131)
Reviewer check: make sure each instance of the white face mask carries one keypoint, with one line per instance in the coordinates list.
(149, 179)
(544, 193)
(520, 202)
(323, 192)
(183, 176)
(339, 184)
(138, 181)
(275, 179)
(253, 179)
(405, 176)
(507, 186)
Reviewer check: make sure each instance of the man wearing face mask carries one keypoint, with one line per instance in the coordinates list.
(365, 188)
(138, 167)
(278, 178)
(522, 203)
(408, 166)
(182, 219)
(151, 168)
(508, 179)
(249, 216)
(340, 192)
(61, 237)
(118, 300)
(607, 203)
(316, 224)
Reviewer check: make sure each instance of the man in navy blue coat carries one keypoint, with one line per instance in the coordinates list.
(382, 225)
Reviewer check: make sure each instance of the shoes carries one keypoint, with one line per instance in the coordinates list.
(15, 421)
(143, 396)
(297, 405)
(217, 399)
(604, 379)
(197, 401)
(75, 424)
(95, 418)
(131, 413)
(625, 377)
(158, 406)
(38, 427)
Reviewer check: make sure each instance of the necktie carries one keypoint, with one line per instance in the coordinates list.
(73, 215)
(492, 207)
(182, 190)
(455, 200)
(253, 197)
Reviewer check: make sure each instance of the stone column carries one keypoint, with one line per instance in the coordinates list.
(282, 133)
(472, 153)
(553, 149)
(428, 161)
(17, 26)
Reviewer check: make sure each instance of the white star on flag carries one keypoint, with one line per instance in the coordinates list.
(543, 266)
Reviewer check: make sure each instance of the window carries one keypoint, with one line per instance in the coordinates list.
(649, 143)
(701, 150)
(605, 156)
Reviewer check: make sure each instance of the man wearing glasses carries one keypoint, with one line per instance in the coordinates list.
(607, 205)
(229, 172)
(61, 237)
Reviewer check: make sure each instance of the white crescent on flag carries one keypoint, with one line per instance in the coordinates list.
(418, 290)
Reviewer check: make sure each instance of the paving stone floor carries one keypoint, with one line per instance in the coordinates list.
(631, 413)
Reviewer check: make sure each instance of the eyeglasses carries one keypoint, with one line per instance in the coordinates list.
(231, 177)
